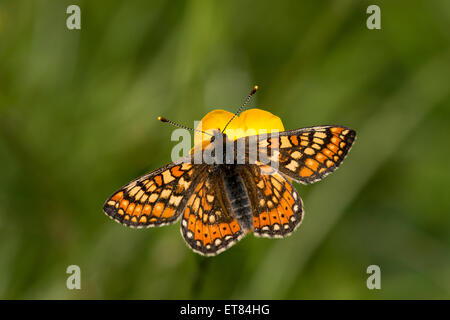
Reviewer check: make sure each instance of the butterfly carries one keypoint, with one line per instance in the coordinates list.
(221, 202)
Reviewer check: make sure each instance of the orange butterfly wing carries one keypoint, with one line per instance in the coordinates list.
(277, 207)
(155, 199)
(308, 155)
(207, 225)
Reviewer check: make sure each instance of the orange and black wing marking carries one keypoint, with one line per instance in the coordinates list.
(207, 225)
(155, 199)
(309, 154)
(277, 208)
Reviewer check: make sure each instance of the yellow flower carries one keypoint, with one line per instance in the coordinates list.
(249, 122)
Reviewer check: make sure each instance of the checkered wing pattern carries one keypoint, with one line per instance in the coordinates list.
(277, 207)
(155, 199)
(207, 225)
(309, 154)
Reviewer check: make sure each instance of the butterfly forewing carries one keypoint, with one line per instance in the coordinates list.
(155, 199)
(309, 154)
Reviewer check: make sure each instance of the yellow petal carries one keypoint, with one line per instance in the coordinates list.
(250, 122)
(217, 120)
(261, 121)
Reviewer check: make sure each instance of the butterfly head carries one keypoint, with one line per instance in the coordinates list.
(217, 136)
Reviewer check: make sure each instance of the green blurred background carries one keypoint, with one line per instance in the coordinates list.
(78, 115)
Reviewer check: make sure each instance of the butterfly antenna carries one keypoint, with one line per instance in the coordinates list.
(162, 119)
(255, 88)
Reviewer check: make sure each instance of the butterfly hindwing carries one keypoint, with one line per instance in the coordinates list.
(207, 225)
(277, 207)
(155, 199)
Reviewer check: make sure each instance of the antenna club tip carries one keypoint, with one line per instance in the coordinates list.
(255, 88)
(162, 119)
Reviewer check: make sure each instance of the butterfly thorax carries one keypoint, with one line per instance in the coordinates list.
(236, 194)
(222, 150)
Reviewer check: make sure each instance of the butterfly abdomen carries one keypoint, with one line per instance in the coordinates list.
(237, 196)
